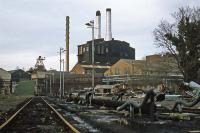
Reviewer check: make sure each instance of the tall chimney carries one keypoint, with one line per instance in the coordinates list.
(67, 44)
(98, 24)
(108, 25)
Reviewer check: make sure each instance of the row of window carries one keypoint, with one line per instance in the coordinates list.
(100, 49)
(82, 49)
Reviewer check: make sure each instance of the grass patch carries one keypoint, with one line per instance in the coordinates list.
(25, 88)
(10, 101)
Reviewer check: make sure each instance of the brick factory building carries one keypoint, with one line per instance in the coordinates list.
(106, 53)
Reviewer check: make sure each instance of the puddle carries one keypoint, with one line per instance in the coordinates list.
(83, 124)
(106, 118)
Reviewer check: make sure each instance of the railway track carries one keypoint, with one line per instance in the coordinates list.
(37, 116)
(107, 120)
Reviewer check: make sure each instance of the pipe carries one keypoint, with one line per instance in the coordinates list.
(150, 95)
(98, 24)
(193, 86)
(191, 104)
(119, 96)
(108, 25)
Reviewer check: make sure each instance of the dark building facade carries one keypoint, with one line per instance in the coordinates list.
(19, 75)
(105, 52)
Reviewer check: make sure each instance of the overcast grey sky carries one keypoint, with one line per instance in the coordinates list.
(29, 28)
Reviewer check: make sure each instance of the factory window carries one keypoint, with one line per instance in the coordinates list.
(80, 50)
(87, 49)
(99, 49)
(106, 50)
(116, 71)
(102, 49)
(83, 49)
(126, 70)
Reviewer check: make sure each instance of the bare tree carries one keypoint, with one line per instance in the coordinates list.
(182, 39)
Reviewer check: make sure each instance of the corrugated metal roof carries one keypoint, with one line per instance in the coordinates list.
(154, 66)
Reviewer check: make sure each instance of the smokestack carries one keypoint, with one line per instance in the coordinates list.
(108, 25)
(67, 44)
(98, 24)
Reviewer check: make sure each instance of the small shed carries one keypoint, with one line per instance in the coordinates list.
(5, 81)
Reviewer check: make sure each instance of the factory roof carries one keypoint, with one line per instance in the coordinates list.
(96, 66)
(155, 65)
(82, 68)
(102, 41)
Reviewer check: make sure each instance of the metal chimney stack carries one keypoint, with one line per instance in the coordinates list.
(67, 44)
(98, 24)
(108, 25)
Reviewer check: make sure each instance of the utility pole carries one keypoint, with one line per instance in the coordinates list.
(92, 22)
(60, 89)
(63, 92)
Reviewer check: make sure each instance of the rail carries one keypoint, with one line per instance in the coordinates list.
(15, 114)
(66, 123)
(63, 119)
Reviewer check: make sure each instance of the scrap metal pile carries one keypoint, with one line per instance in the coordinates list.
(150, 112)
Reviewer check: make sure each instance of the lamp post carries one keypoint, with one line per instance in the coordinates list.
(91, 25)
(60, 88)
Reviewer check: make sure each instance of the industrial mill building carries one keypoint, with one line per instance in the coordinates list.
(106, 51)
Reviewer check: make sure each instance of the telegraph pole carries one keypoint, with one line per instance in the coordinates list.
(60, 89)
(63, 92)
